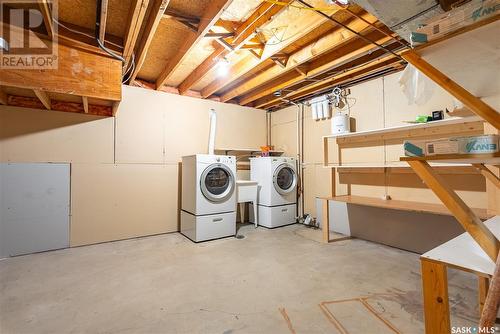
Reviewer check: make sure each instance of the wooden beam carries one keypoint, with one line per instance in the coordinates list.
(85, 101)
(47, 17)
(465, 216)
(34, 103)
(436, 300)
(483, 285)
(211, 15)
(316, 66)
(135, 18)
(219, 34)
(43, 97)
(103, 16)
(152, 23)
(300, 57)
(82, 38)
(259, 17)
(354, 69)
(181, 17)
(3, 97)
(78, 73)
(472, 102)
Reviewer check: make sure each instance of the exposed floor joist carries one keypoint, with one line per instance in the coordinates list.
(351, 71)
(152, 23)
(135, 19)
(103, 16)
(47, 17)
(210, 17)
(258, 18)
(316, 66)
(310, 22)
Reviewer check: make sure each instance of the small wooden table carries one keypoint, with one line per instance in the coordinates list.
(247, 191)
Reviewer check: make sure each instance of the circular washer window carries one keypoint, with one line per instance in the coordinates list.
(284, 179)
(217, 183)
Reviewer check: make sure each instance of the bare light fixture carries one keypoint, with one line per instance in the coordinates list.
(222, 67)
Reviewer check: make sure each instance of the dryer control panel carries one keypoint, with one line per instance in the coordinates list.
(226, 159)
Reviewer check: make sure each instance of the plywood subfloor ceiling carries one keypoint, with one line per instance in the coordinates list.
(258, 53)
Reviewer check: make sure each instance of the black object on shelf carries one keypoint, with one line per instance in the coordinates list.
(437, 115)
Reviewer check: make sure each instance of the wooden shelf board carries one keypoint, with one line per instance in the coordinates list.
(402, 205)
(245, 151)
(399, 128)
(464, 253)
(487, 158)
(467, 169)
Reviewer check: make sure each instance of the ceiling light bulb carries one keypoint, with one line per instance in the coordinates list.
(222, 67)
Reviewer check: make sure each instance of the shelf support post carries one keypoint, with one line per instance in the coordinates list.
(465, 216)
(436, 303)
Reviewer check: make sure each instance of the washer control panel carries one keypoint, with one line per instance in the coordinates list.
(226, 159)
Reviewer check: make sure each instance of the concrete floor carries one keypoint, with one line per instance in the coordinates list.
(166, 284)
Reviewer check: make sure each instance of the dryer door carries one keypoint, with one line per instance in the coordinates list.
(217, 183)
(285, 179)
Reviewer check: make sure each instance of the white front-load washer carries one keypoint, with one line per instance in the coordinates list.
(277, 178)
(208, 199)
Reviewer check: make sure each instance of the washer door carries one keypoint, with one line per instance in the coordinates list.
(217, 183)
(284, 179)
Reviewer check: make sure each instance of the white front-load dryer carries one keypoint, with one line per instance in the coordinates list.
(208, 199)
(277, 198)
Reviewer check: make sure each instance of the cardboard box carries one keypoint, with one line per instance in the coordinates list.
(479, 144)
(414, 148)
(467, 14)
(442, 146)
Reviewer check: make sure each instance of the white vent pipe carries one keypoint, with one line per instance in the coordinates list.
(213, 127)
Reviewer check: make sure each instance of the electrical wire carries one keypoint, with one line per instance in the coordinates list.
(97, 33)
(281, 3)
(350, 29)
(82, 33)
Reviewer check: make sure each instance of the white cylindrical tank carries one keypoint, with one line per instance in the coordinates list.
(340, 123)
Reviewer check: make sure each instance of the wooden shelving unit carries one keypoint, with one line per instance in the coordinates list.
(477, 249)
(402, 205)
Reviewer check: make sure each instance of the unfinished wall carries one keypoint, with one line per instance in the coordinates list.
(376, 104)
(124, 171)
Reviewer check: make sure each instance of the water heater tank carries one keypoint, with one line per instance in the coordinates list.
(340, 123)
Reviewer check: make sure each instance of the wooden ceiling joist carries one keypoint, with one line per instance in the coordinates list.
(210, 17)
(349, 75)
(259, 17)
(47, 17)
(152, 23)
(318, 65)
(103, 16)
(310, 23)
(43, 97)
(298, 58)
(83, 39)
(135, 19)
(78, 73)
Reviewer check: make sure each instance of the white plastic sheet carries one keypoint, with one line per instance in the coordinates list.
(416, 86)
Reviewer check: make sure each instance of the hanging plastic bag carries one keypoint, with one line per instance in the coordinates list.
(416, 86)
